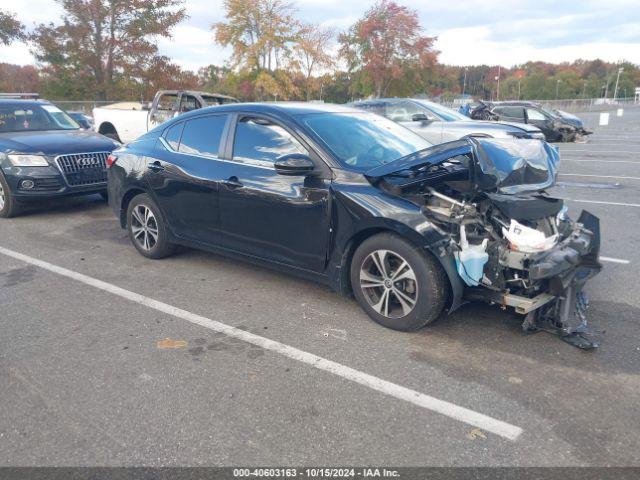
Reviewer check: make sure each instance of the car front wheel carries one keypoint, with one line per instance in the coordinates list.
(8, 206)
(397, 284)
(147, 229)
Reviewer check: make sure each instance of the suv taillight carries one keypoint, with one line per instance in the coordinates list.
(111, 159)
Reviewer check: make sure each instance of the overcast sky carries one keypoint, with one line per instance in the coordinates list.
(469, 31)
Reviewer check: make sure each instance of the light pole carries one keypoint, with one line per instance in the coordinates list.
(464, 81)
(557, 87)
(498, 89)
(584, 90)
(615, 91)
(519, 80)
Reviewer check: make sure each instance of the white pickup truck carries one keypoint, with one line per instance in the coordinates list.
(126, 121)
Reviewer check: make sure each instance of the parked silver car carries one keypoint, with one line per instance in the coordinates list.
(439, 124)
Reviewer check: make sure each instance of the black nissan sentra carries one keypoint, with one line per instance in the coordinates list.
(360, 203)
(44, 154)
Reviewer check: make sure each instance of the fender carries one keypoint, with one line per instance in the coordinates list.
(415, 228)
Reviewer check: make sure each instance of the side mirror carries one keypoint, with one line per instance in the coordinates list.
(420, 117)
(294, 164)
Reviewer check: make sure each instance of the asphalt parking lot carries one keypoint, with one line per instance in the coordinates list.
(83, 380)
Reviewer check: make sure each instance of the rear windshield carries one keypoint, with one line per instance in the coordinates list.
(215, 100)
(15, 117)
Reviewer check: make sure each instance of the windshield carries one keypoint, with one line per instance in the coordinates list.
(550, 113)
(445, 113)
(16, 117)
(361, 141)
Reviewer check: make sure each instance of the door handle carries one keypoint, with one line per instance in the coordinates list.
(155, 166)
(232, 183)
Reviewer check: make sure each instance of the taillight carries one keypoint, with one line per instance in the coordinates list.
(111, 159)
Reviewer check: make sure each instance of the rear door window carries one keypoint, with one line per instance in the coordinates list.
(173, 134)
(188, 103)
(535, 115)
(511, 112)
(203, 135)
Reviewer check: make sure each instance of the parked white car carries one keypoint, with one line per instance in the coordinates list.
(126, 121)
(439, 124)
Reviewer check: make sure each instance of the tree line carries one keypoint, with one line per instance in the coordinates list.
(106, 50)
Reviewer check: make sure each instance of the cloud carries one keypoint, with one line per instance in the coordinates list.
(469, 32)
(192, 47)
(475, 45)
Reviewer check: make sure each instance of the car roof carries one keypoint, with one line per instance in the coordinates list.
(32, 103)
(291, 109)
(517, 103)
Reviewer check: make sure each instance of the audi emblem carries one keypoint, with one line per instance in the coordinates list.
(88, 162)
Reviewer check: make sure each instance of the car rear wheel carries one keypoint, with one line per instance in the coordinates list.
(8, 206)
(147, 229)
(398, 285)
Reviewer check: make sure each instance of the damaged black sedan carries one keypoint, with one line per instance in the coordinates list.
(557, 126)
(366, 206)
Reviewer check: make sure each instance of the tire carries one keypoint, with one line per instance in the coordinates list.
(8, 205)
(428, 288)
(113, 136)
(149, 244)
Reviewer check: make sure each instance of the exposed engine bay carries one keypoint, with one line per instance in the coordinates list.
(513, 245)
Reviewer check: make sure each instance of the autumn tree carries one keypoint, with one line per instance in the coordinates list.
(18, 78)
(313, 52)
(10, 28)
(101, 43)
(260, 33)
(385, 43)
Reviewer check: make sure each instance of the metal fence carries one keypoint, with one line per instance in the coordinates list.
(568, 105)
(85, 106)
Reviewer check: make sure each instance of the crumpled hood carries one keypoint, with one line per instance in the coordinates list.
(570, 118)
(55, 142)
(498, 165)
(513, 167)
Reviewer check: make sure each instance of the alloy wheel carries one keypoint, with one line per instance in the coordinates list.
(2, 199)
(389, 284)
(144, 227)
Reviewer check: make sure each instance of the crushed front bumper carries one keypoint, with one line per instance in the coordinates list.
(565, 269)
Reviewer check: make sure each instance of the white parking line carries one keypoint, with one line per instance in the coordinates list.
(582, 150)
(451, 410)
(598, 176)
(565, 159)
(620, 204)
(568, 148)
(615, 260)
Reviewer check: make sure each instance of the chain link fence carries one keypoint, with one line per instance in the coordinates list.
(567, 105)
(575, 105)
(84, 106)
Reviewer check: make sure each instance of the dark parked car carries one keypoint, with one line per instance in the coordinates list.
(85, 121)
(361, 203)
(555, 127)
(573, 120)
(44, 154)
